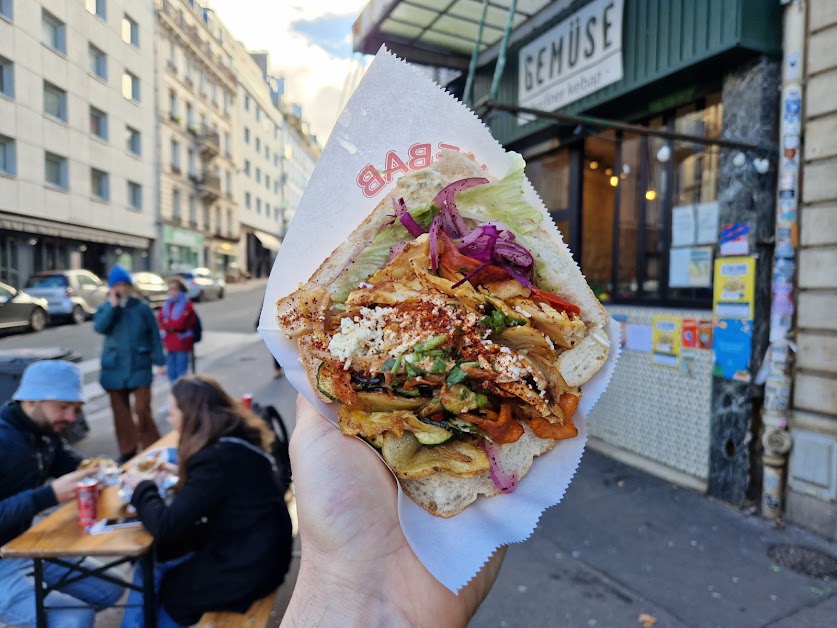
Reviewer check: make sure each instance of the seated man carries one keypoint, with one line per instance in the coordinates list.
(33, 452)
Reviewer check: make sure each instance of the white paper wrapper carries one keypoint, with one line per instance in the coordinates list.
(393, 109)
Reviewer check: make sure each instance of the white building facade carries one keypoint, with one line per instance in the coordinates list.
(260, 151)
(196, 87)
(301, 154)
(77, 177)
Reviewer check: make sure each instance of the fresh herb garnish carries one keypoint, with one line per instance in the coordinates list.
(497, 321)
(413, 370)
(455, 375)
(432, 343)
(439, 366)
(388, 364)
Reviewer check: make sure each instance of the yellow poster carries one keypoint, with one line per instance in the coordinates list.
(735, 287)
(665, 340)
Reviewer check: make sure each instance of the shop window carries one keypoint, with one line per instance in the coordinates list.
(7, 78)
(133, 141)
(55, 170)
(130, 31)
(8, 159)
(99, 184)
(98, 61)
(53, 32)
(55, 101)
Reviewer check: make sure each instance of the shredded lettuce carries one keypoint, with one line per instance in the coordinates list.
(424, 215)
(369, 261)
(501, 200)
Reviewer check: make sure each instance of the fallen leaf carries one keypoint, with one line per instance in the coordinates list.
(647, 620)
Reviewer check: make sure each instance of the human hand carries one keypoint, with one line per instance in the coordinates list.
(356, 564)
(132, 477)
(161, 370)
(114, 296)
(64, 487)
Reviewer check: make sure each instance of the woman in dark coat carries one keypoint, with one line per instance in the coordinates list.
(227, 533)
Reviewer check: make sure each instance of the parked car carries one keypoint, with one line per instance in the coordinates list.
(152, 287)
(71, 294)
(18, 309)
(202, 284)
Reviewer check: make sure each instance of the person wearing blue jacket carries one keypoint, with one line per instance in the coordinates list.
(38, 470)
(132, 346)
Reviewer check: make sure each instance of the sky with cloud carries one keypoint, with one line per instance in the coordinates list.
(310, 44)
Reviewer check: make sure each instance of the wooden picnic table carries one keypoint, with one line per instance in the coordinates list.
(57, 538)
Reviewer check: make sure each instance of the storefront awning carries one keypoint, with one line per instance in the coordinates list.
(40, 226)
(268, 241)
(437, 32)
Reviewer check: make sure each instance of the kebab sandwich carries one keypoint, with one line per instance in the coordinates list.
(454, 330)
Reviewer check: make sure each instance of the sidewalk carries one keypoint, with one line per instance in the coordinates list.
(623, 543)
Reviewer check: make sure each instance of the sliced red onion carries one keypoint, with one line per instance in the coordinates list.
(505, 482)
(410, 223)
(446, 194)
(469, 275)
(508, 251)
(480, 243)
(395, 249)
(452, 222)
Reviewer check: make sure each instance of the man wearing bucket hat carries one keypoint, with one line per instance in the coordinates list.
(132, 345)
(38, 471)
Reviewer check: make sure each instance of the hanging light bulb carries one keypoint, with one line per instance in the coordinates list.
(761, 165)
(594, 165)
(626, 169)
(650, 195)
(614, 180)
(664, 154)
(608, 171)
(739, 160)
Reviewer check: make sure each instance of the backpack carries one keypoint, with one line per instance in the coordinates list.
(197, 330)
(281, 450)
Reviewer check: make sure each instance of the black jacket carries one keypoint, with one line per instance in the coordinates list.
(231, 514)
(28, 458)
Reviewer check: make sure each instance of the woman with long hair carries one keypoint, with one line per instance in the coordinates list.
(177, 320)
(225, 539)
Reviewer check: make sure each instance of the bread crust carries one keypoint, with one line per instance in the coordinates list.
(444, 495)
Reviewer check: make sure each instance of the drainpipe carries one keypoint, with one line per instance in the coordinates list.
(777, 439)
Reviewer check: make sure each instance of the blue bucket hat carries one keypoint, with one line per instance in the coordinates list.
(118, 274)
(50, 380)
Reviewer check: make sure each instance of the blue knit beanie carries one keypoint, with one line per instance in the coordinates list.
(119, 275)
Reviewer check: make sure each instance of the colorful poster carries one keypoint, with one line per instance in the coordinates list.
(732, 346)
(735, 239)
(735, 287)
(665, 340)
(689, 334)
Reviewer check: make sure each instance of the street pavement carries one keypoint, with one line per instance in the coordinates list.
(623, 546)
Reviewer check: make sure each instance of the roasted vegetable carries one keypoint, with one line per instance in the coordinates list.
(458, 399)
(409, 460)
(371, 424)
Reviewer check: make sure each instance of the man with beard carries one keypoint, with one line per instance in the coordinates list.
(38, 471)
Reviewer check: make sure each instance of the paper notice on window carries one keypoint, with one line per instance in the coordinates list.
(638, 338)
(683, 225)
(690, 267)
(707, 223)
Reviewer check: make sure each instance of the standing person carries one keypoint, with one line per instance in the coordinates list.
(132, 345)
(177, 320)
(227, 533)
(47, 401)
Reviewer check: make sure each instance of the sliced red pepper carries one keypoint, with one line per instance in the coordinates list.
(544, 429)
(555, 301)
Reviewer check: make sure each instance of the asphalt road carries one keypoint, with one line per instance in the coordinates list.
(236, 313)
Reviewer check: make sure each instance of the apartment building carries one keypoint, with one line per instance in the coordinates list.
(196, 91)
(77, 180)
(260, 153)
(301, 154)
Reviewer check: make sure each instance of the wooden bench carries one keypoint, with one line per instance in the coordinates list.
(257, 615)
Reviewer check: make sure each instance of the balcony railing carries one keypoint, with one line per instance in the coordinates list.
(210, 144)
(209, 185)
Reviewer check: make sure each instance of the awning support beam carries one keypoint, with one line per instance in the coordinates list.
(472, 67)
(501, 58)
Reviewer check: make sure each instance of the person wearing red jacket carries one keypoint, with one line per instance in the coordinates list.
(177, 321)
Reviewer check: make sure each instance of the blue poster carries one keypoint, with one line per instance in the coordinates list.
(732, 346)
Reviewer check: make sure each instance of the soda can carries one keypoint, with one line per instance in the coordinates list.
(87, 495)
(247, 401)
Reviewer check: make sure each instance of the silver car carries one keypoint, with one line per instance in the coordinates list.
(70, 294)
(201, 284)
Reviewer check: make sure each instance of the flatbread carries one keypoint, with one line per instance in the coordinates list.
(441, 494)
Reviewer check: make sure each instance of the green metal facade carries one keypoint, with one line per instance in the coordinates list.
(661, 38)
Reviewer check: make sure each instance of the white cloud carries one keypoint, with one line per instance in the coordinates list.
(314, 78)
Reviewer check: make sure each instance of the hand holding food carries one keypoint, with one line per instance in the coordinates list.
(454, 332)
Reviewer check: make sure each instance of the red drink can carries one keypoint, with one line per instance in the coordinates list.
(87, 495)
(247, 401)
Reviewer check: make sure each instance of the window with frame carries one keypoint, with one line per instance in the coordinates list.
(258, 175)
(192, 162)
(258, 114)
(134, 195)
(190, 115)
(6, 9)
(176, 210)
(258, 145)
(175, 156)
(98, 123)
(131, 86)
(55, 170)
(206, 218)
(173, 106)
(193, 211)
(246, 135)
(8, 157)
(276, 213)
(218, 220)
(98, 62)
(247, 200)
(130, 31)
(227, 144)
(7, 78)
(247, 167)
(228, 182)
(258, 205)
(246, 102)
(99, 184)
(97, 8)
(229, 222)
(55, 101)
(53, 32)
(267, 182)
(133, 140)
